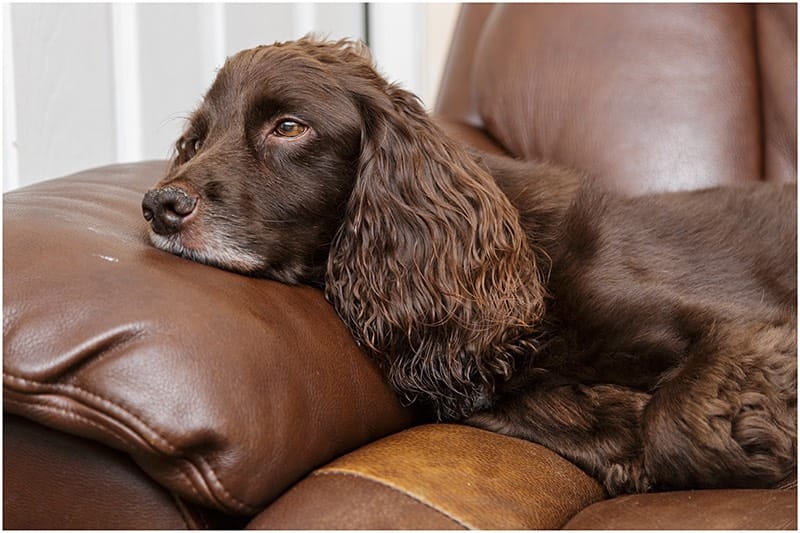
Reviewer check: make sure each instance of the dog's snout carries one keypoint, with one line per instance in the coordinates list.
(167, 209)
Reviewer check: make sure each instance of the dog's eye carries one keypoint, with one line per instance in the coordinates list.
(188, 147)
(290, 128)
(191, 146)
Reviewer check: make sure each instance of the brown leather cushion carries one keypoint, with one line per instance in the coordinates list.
(223, 388)
(704, 509)
(54, 480)
(121, 495)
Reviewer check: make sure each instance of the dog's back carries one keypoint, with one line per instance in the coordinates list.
(733, 249)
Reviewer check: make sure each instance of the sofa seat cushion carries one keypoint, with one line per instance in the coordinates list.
(763, 509)
(224, 388)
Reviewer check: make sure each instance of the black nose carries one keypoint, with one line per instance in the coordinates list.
(167, 209)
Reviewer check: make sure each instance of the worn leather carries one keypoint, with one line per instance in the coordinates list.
(344, 501)
(641, 97)
(223, 388)
(707, 509)
(478, 479)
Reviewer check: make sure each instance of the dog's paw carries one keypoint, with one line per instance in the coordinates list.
(766, 434)
(625, 478)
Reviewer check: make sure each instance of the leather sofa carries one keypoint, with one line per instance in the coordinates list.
(142, 390)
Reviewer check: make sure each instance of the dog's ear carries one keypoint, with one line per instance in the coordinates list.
(431, 269)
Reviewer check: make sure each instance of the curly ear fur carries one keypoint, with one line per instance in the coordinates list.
(431, 269)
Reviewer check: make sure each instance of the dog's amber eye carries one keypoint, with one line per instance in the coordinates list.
(290, 128)
(189, 147)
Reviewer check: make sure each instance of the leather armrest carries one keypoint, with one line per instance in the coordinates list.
(439, 476)
(225, 389)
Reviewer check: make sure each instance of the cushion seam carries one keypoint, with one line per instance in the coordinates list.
(430, 505)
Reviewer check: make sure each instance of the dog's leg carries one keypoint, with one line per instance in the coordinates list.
(597, 427)
(728, 417)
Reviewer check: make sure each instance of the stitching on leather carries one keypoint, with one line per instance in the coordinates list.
(218, 483)
(108, 403)
(327, 472)
(188, 479)
(73, 415)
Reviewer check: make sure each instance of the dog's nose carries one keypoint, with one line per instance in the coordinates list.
(167, 209)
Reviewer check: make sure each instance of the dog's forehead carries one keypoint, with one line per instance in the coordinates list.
(291, 76)
(272, 66)
(316, 82)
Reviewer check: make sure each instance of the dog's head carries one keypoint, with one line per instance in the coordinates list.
(265, 166)
(302, 164)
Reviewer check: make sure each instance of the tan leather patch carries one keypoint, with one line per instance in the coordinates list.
(480, 479)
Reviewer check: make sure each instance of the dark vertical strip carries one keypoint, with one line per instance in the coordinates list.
(367, 36)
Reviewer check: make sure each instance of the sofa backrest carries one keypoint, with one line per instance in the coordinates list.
(643, 97)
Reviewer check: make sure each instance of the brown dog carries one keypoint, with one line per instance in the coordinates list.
(650, 340)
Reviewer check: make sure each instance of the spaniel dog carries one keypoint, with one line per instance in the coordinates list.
(650, 340)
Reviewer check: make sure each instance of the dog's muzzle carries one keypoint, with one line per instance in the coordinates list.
(168, 209)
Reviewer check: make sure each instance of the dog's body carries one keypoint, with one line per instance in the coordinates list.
(670, 337)
(651, 340)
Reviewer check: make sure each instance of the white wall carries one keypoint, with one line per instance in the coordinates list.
(91, 84)
(410, 42)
